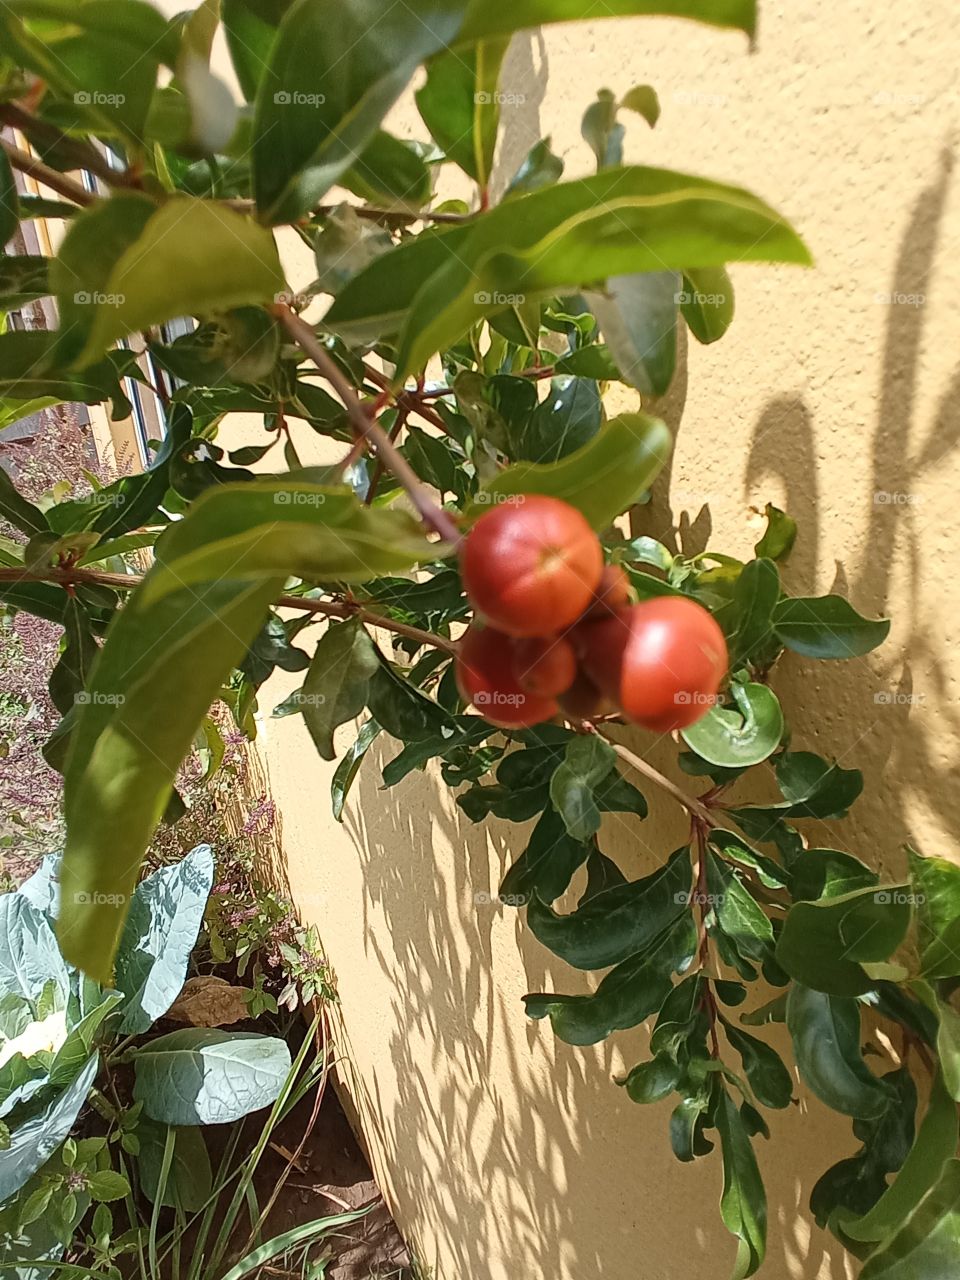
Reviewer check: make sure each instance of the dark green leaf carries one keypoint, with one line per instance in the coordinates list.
(755, 596)
(739, 917)
(565, 421)
(23, 278)
(619, 922)
(936, 884)
(823, 944)
(637, 315)
(706, 301)
(825, 1031)
(9, 201)
(547, 865)
(926, 1246)
(189, 1179)
(827, 873)
(335, 689)
(18, 511)
(827, 627)
(588, 760)
(460, 105)
(541, 168)
(743, 1203)
(349, 766)
(69, 678)
(768, 1077)
(653, 1080)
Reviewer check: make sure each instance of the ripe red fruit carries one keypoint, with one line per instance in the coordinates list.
(531, 566)
(485, 677)
(612, 593)
(544, 664)
(662, 661)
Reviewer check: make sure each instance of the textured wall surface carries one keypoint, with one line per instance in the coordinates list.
(836, 394)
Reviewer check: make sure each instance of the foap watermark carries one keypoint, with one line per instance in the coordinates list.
(496, 299)
(694, 698)
(100, 498)
(498, 699)
(696, 898)
(484, 899)
(99, 899)
(899, 898)
(95, 98)
(82, 298)
(897, 298)
(896, 498)
(301, 699)
(896, 698)
(96, 698)
(298, 498)
(695, 297)
(499, 99)
(286, 98)
(696, 98)
(296, 300)
(500, 499)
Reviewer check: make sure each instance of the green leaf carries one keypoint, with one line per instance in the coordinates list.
(23, 278)
(201, 1076)
(349, 766)
(249, 37)
(565, 421)
(768, 1077)
(706, 301)
(739, 917)
(824, 944)
(755, 595)
(619, 222)
(215, 573)
(653, 1080)
(460, 105)
(107, 1184)
(9, 201)
(547, 865)
(825, 1031)
(18, 511)
(619, 922)
(586, 762)
(334, 71)
(29, 956)
(160, 933)
(813, 788)
(928, 1243)
(936, 884)
(743, 1202)
(631, 992)
(935, 1143)
(828, 873)
(335, 689)
(601, 479)
(35, 1140)
(189, 1180)
(948, 1047)
(827, 627)
(733, 848)
(126, 265)
(70, 676)
(541, 168)
(735, 739)
(484, 19)
(637, 315)
(779, 535)
(390, 172)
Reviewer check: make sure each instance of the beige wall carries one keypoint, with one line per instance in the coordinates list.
(505, 1153)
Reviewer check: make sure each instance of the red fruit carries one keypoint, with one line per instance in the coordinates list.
(485, 677)
(544, 664)
(613, 593)
(531, 566)
(583, 700)
(662, 661)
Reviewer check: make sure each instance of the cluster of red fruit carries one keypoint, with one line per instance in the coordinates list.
(555, 629)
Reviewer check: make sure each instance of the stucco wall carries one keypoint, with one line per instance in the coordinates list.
(503, 1152)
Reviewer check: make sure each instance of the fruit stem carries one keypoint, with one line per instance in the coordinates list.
(690, 803)
(367, 426)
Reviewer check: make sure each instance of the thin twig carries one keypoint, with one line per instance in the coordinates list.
(82, 155)
(329, 608)
(367, 426)
(690, 803)
(58, 182)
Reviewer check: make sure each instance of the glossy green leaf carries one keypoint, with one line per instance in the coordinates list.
(601, 479)
(928, 1244)
(335, 689)
(653, 1080)
(825, 1030)
(825, 944)
(567, 419)
(948, 1047)
(935, 1143)
(618, 923)
(936, 884)
(484, 19)
(587, 761)
(707, 302)
(70, 676)
(762, 1065)
(812, 787)
(736, 738)
(189, 1179)
(779, 535)
(126, 265)
(349, 766)
(637, 315)
(541, 168)
(828, 873)
(460, 105)
(334, 71)
(619, 222)
(631, 992)
(827, 627)
(390, 172)
(18, 511)
(755, 595)
(743, 1202)
(738, 915)
(249, 37)
(548, 863)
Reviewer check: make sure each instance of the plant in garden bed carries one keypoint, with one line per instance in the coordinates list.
(461, 366)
